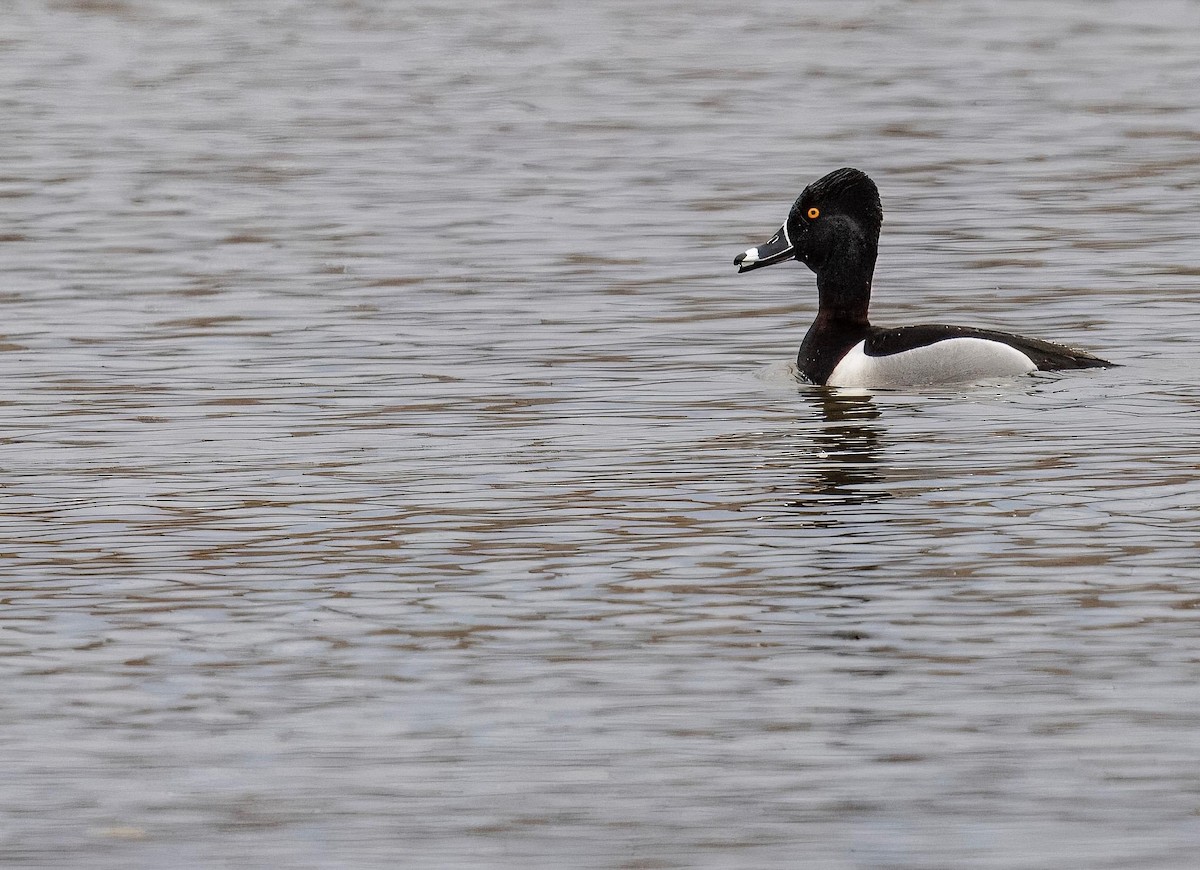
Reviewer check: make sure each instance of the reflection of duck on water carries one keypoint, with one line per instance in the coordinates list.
(849, 444)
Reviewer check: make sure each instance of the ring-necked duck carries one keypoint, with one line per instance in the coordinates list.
(833, 228)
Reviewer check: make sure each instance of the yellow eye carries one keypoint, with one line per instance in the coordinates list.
(814, 213)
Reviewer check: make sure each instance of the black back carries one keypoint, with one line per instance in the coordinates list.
(1046, 355)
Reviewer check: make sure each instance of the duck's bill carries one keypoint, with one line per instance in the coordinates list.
(776, 250)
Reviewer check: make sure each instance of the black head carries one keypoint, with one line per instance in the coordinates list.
(837, 215)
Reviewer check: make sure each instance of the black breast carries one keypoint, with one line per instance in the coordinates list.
(825, 344)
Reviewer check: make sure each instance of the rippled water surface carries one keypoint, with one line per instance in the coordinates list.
(396, 473)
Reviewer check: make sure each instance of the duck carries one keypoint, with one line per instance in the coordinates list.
(833, 228)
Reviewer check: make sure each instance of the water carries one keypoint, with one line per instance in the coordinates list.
(396, 472)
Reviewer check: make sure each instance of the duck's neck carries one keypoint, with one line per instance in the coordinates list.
(839, 303)
(844, 281)
(844, 293)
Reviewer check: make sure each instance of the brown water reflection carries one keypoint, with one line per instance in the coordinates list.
(396, 474)
(850, 444)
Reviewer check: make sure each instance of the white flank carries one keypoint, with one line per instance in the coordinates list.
(952, 361)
